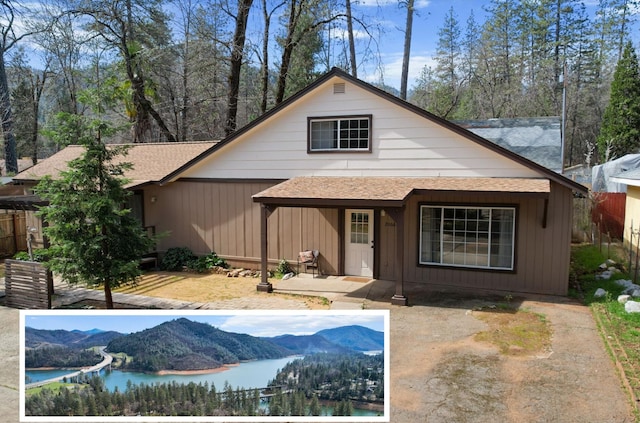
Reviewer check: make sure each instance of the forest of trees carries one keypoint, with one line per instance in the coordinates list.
(61, 357)
(335, 377)
(339, 379)
(182, 344)
(171, 71)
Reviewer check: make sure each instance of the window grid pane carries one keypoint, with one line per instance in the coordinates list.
(464, 236)
(340, 134)
(359, 228)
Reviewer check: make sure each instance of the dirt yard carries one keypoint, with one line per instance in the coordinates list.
(194, 287)
(442, 370)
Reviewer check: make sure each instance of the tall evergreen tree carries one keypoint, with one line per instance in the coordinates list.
(620, 131)
(94, 240)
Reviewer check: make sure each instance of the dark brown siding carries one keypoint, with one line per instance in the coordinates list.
(542, 254)
(221, 216)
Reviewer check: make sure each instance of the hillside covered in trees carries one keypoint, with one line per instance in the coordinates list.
(182, 344)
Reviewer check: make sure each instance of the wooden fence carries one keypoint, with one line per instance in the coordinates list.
(608, 213)
(27, 284)
(13, 232)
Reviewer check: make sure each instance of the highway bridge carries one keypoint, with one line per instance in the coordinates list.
(106, 361)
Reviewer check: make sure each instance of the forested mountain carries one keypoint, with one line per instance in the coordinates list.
(355, 337)
(308, 344)
(35, 338)
(182, 344)
(60, 357)
(199, 70)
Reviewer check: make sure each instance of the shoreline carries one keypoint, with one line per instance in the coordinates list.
(197, 372)
(36, 369)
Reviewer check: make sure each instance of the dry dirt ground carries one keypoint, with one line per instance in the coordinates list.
(441, 370)
(204, 288)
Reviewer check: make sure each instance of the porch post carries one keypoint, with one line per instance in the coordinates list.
(264, 285)
(398, 216)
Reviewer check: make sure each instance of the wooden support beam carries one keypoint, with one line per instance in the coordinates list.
(264, 285)
(397, 214)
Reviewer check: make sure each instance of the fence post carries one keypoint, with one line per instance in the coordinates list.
(630, 246)
(635, 272)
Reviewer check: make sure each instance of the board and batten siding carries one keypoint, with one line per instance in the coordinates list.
(222, 217)
(537, 270)
(403, 144)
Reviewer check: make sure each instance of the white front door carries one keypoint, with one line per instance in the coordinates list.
(359, 243)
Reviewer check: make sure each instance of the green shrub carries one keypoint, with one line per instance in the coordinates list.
(176, 258)
(205, 263)
(283, 268)
(40, 255)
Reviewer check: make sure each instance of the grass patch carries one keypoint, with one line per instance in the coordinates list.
(515, 332)
(55, 387)
(620, 330)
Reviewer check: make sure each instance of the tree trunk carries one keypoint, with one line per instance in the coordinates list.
(264, 74)
(10, 154)
(352, 45)
(236, 64)
(407, 50)
(108, 298)
(287, 51)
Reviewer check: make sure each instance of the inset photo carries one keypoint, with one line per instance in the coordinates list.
(204, 366)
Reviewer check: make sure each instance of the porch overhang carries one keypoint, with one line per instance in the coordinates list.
(22, 202)
(383, 192)
(390, 194)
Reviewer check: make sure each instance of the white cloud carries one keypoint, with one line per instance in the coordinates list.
(392, 69)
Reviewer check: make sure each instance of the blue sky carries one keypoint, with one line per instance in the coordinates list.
(256, 323)
(386, 19)
(427, 21)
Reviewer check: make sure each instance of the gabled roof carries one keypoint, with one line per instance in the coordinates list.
(152, 163)
(335, 72)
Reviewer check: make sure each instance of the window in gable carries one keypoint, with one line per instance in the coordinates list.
(351, 133)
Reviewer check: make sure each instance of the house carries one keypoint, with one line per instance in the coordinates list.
(382, 188)
(152, 163)
(630, 179)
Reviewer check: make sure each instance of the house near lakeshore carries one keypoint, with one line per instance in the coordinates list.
(381, 188)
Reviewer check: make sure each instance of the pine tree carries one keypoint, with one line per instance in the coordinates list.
(94, 239)
(620, 130)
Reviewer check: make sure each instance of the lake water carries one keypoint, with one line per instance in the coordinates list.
(252, 374)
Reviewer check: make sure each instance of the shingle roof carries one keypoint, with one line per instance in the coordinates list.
(387, 191)
(152, 163)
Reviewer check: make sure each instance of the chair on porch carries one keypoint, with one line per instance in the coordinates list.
(309, 259)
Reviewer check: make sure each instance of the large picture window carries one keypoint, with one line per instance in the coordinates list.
(335, 134)
(482, 237)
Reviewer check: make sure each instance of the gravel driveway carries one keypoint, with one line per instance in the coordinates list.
(440, 374)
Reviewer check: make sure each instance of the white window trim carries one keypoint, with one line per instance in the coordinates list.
(511, 266)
